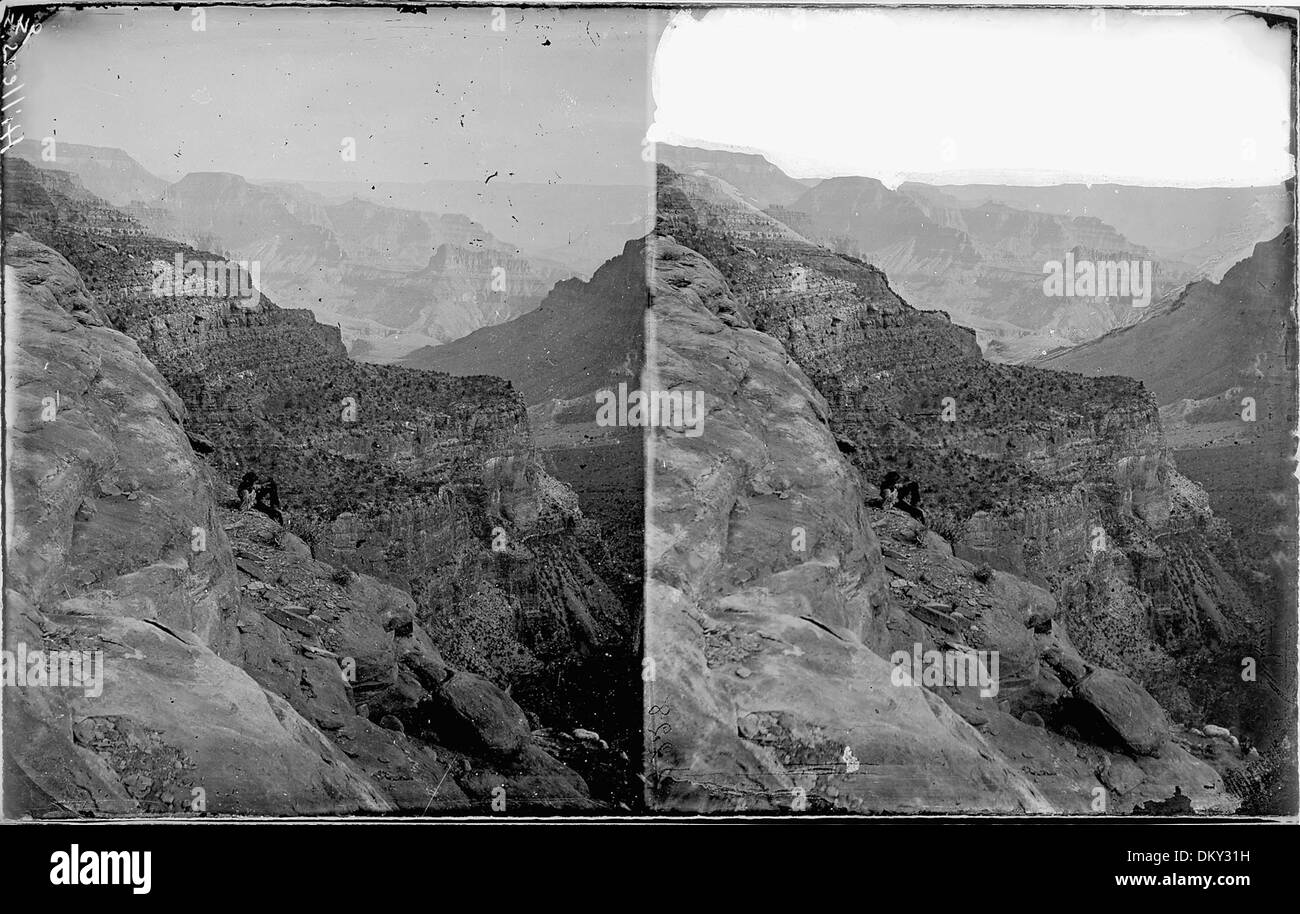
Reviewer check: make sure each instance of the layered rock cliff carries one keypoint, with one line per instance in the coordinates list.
(1221, 362)
(1061, 484)
(584, 338)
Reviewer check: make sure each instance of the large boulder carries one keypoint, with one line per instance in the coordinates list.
(468, 710)
(1125, 709)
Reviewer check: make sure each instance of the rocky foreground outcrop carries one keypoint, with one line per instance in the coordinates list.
(230, 664)
(778, 603)
(239, 674)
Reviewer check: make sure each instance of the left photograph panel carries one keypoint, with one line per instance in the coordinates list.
(309, 509)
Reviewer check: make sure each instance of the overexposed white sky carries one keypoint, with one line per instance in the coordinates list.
(1009, 96)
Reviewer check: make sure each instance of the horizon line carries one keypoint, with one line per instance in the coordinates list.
(970, 177)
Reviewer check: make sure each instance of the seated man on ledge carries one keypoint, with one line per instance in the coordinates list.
(268, 501)
(247, 491)
(895, 492)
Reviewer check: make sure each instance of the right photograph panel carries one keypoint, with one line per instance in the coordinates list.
(971, 402)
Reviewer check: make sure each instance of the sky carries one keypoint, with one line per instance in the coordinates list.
(961, 96)
(271, 93)
(942, 95)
